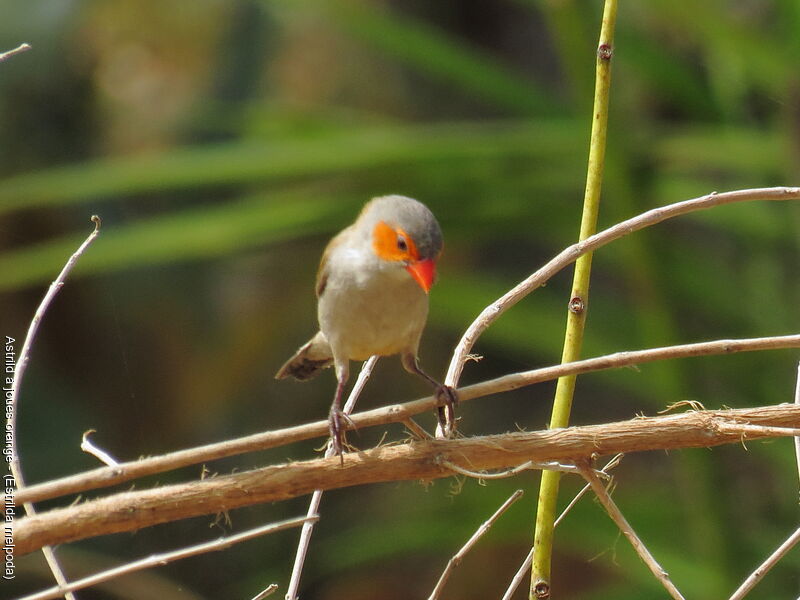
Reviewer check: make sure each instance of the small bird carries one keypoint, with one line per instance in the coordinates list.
(372, 299)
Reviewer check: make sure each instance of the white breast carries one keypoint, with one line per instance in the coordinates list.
(370, 306)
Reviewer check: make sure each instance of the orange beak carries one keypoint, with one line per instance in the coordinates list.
(423, 272)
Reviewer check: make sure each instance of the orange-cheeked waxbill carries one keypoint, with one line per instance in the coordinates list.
(372, 298)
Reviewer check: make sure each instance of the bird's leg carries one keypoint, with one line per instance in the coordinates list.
(336, 418)
(446, 396)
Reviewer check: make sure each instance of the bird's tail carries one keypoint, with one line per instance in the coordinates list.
(309, 360)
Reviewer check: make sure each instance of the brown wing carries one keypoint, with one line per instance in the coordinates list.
(309, 360)
(322, 271)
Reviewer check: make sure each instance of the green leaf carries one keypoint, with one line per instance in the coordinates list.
(262, 161)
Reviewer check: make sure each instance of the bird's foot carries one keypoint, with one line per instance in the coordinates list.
(338, 422)
(447, 399)
(337, 432)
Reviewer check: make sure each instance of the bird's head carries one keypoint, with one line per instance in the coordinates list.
(405, 232)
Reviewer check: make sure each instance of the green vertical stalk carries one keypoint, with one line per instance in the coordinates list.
(578, 304)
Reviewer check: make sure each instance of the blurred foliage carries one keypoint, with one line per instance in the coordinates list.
(223, 142)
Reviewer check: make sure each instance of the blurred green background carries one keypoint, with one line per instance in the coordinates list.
(224, 142)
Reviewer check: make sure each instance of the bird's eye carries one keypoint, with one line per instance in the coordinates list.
(402, 244)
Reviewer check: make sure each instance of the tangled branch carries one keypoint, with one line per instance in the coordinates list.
(129, 511)
(426, 459)
(107, 476)
(570, 254)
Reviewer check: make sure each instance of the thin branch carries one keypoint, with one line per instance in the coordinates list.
(797, 403)
(569, 255)
(758, 430)
(416, 429)
(616, 515)
(481, 531)
(316, 497)
(766, 566)
(88, 446)
(157, 560)
(107, 476)
(519, 577)
(12, 402)
(522, 572)
(24, 355)
(773, 559)
(526, 466)
(268, 591)
(131, 510)
(4, 56)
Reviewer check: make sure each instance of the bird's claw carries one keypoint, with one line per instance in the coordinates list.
(447, 399)
(337, 431)
(338, 423)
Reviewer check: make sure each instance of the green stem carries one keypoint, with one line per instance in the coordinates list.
(576, 317)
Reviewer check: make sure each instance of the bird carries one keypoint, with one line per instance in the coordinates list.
(372, 299)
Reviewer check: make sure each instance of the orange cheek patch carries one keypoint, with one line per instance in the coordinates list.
(384, 242)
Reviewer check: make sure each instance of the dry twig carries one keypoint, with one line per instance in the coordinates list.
(416, 429)
(744, 429)
(616, 515)
(12, 401)
(459, 556)
(133, 510)
(526, 466)
(757, 575)
(107, 476)
(766, 566)
(797, 403)
(88, 446)
(526, 564)
(268, 591)
(4, 56)
(157, 560)
(316, 497)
